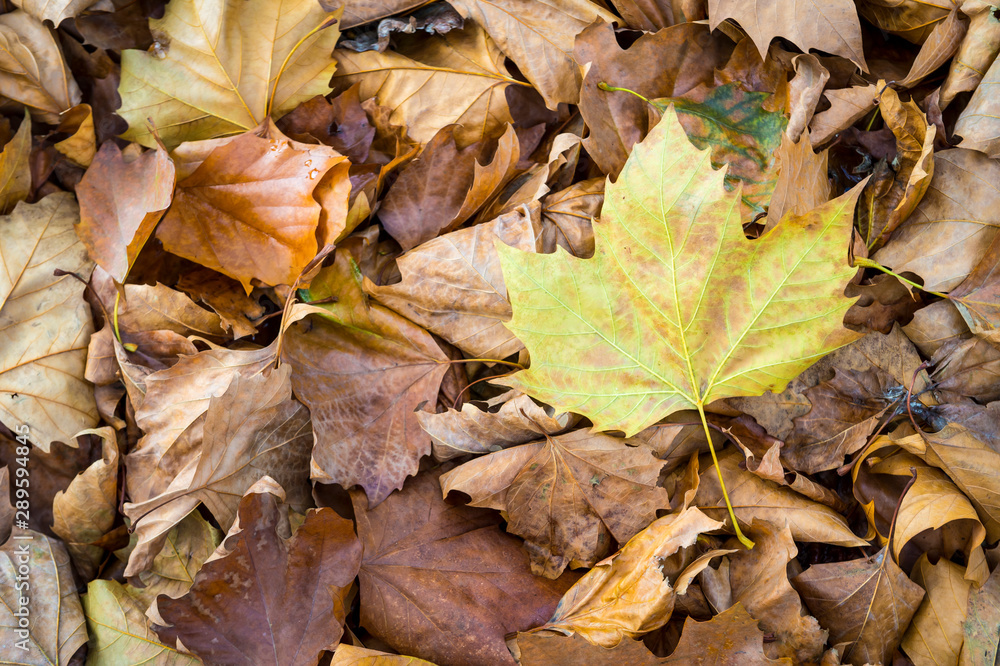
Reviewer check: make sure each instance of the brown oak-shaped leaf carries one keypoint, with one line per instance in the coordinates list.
(363, 371)
(935, 636)
(442, 582)
(121, 200)
(567, 495)
(267, 598)
(865, 604)
(628, 594)
(884, 301)
(483, 427)
(254, 429)
(453, 286)
(248, 209)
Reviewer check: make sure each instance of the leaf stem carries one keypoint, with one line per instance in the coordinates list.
(722, 484)
(868, 263)
(606, 88)
(127, 345)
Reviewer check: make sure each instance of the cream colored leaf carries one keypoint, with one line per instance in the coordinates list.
(218, 66)
(55, 11)
(45, 324)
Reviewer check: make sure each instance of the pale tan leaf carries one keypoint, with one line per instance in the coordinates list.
(935, 636)
(32, 69)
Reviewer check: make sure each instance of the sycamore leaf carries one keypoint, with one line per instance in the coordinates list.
(44, 322)
(677, 308)
(15, 176)
(219, 67)
(33, 71)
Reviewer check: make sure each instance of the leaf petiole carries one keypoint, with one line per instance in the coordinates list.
(656, 105)
(868, 263)
(722, 484)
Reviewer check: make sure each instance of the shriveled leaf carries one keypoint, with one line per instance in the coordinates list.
(935, 636)
(607, 344)
(567, 495)
(33, 71)
(120, 203)
(362, 370)
(45, 322)
(443, 582)
(15, 177)
(866, 604)
(222, 67)
(539, 37)
(627, 594)
(120, 633)
(832, 27)
(457, 78)
(56, 627)
(267, 598)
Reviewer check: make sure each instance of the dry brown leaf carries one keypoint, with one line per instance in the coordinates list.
(121, 201)
(508, 419)
(651, 15)
(442, 581)
(237, 311)
(33, 71)
(866, 605)
(627, 594)
(365, 11)
(935, 325)
(453, 286)
(832, 27)
(15, 177)
(802, 183)
(80, 147)
(847, 106)
(913, 20)
(248, 210)
(538, 37)
(935, 636)
(978, 297)
(362, 370)
(56, 624)
(567, 495)
(341, 123)
(86, 510)
(47, 324)
(968, 368)
(457, 78)
(940, 45)
(265, 598)
(567, 216)
(884, 302)
(804, 92)
(755, 498)
(731, 638)
(951, 229)
(976, 52)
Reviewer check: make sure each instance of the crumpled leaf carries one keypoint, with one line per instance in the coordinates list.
(56, 624)
(568, 213)
(951, 228)
(34, 72)
(539, 37)
(968, 368)
(755, 498)
(442, 582)
(120, 632)
(627, 369)
(832, 27)
(567, 495)
(935, 635)
(221, 67)
(362, 370)
(15, 176)
(120, 203)
(266, 598)
(458, 78)
(508, 419)
(248, 210)
(453, 285)
(45, 322)
(628, 594)
(866, 605)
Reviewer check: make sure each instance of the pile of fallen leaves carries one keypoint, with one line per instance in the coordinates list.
(499, 331)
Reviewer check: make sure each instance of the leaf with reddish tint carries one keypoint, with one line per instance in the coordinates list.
(442, 582)
(268, 599)
(363, 371)
(120, 203)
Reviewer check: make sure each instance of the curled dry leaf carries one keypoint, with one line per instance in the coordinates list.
(938, 48)
(866, 605)
(568, 214)
(847, 106)
(508, 419)
(363, 371)
(222, 68)
(453, 285)
(804, 93)
(34, 71)
(46, 323)
(911, 20)
(802, 182)
(978, 297)
(56, 627)
(567, 495)
(627, 594)
(458, 78)
(978, 125)
(968, 368)
(15, 176)
(442, 581)
(935, 636)
(265, 598)
(120, 203)
(978, 49)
